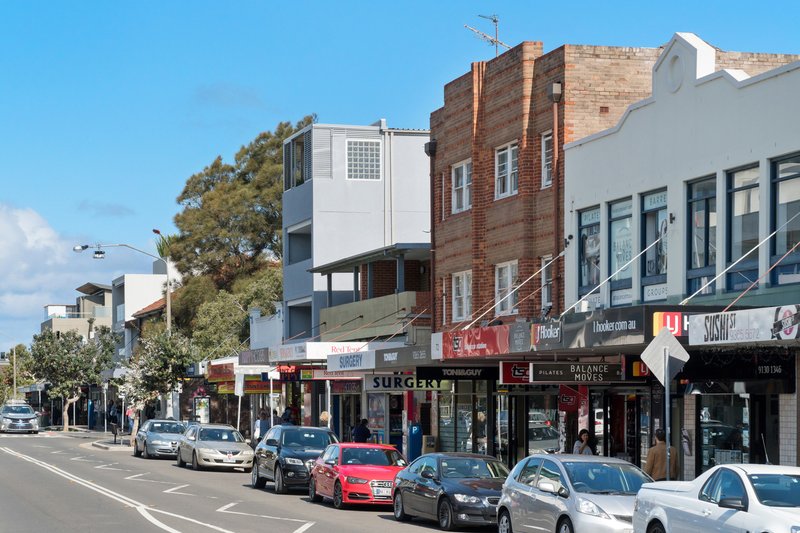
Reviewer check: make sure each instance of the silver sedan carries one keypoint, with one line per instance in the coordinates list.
(568, 493)
(217, 446)
(158, 438)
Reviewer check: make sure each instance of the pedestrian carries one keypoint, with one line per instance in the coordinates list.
(111, 412)
(361, 432)
(583, 445)
(276, 420)
(656, 465)
(260, 428)
(324, 419)
(129, 414)
(286, 417)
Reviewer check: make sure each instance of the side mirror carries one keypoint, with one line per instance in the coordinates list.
(330, 462)
(737, 504)
(547, 486)
(563, 492)
(427, 474)
(271, 442)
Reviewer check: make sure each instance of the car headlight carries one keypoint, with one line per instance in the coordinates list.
(293, 461)
(466, 498)
(590, 508)
(356, 480)
(7, 420)
(248, 452)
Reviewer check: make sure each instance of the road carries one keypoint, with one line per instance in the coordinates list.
(53, 482)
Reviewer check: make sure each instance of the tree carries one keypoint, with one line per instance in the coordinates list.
(231, 219)
(22, 356)
(67, 362)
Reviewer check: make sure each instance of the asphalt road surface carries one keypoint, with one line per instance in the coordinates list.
(58, 483)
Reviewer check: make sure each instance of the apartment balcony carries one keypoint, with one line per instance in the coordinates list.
(403, 316)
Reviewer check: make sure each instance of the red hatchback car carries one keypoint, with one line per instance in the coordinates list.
(349, 472)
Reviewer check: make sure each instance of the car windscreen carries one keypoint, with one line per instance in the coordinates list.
(540, 433)
(468, 467)
(166, 427)
(298, 438)
(17, 410)
(776, 490)
(222, 434)
(372, 456)
(605, 478)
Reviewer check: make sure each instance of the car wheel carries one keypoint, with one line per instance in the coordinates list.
(338, 496)
(145, 453)
(136, 452)
(280, 485)
(504, 523)
(445, 515)
(312, 491)
(181, 462)
(256, 481)
(195, 463)
(399, 509)
(656, 527)
(565, 526)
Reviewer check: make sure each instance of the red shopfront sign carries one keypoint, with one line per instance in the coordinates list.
(514, 373)
(477, 342)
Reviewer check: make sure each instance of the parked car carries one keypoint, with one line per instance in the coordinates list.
(455, 489)
(542, 438)
(217, 446)
(287, 453)
(158, 438)
(355, 473)
(568, 493)
(16, 416)
(726, 498)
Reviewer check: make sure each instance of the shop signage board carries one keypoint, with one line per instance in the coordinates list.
(519, 337)
(605, 327)
(250, 387)
(546, 335)
(576, 372)
(319, 374)
(404, 382)
(746, 326)
(462, 373)
(405, 357)
(217, 373)
(346, 387)
(287, 352)
(514, 372)
(352, 361)
(254, 357)
(475, 342)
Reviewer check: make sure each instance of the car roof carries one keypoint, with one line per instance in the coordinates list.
(345, 445)
(751, 469)
(168, 420)
(304, 428)
(464, 455)
(216, 426)
(576, 458)
(15, 402)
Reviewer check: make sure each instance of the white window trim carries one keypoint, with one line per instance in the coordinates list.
(547, 183)
(465, 187)
(547, 288)
(511, 284)
(466, 279)
(380, 159)
(509, 191)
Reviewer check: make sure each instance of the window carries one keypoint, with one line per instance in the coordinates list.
(547, 159)
(462, 187)
(702, 227)
(505, 282)
(462, 295)
(589, 252)
(786, 199)
(655, 225)
(547, 283)
(743, 208)
(528, 474)
(506, 171)
(363, 160)
(297, 161)
(551, 472)
(621, 251)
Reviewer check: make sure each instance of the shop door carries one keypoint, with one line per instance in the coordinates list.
(505, 439)
(620, 423)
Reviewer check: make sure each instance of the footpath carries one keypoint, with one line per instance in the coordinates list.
(99, 439)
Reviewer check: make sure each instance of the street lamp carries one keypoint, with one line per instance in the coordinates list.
(100, 254)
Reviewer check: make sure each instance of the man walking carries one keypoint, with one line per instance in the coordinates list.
(656, 466)
(361, 432)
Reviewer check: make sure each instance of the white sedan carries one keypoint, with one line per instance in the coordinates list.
(727, 498)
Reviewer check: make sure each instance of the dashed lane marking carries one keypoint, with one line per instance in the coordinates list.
(306, 524)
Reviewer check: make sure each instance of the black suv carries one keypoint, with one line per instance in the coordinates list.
(286, 454)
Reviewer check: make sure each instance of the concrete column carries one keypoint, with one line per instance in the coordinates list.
(401, 274)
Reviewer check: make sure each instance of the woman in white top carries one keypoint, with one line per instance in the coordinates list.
(582, 446)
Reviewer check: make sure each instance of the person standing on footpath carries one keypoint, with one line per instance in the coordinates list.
(260, 427)
(361, 432)
(656, 466)
(583, 445)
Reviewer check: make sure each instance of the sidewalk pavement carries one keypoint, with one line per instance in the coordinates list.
(100, 439)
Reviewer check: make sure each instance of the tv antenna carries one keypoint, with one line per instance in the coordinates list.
(488, 38)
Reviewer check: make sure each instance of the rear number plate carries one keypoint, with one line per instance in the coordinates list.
(381, 491)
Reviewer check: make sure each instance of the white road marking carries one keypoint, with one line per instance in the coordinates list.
(82, 460)
(136, 477)
(58, 451)
(305, 526)
(174, 490)
(143, 509)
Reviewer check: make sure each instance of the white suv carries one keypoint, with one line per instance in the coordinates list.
(17, 416)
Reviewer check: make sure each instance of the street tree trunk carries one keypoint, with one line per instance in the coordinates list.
(66, 404)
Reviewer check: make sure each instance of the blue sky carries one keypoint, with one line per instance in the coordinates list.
(106, 108)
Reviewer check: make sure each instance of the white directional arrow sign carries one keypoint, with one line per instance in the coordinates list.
(653, 356)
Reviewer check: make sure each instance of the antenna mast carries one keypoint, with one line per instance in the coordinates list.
(488, 38)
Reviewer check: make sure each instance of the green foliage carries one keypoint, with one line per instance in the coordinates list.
(164, 244)
(231, 219)
(195, 291)
(157, 366)
(22, 355)
(221, 326)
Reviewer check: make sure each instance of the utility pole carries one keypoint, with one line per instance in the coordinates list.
(14, 356)
(488, 38)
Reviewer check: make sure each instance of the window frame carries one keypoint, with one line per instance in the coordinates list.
(594, 223)
(547, 162)
(379, 158)
(746, 265)
(464, 191)
(512, 279)
(547, 282)
(465, 277)
(699, 276)
(624, 283)
(793, 259)
(510, 178)
(653, 279)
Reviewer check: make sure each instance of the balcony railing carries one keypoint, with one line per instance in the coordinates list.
(382, 316)
(98, 312)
